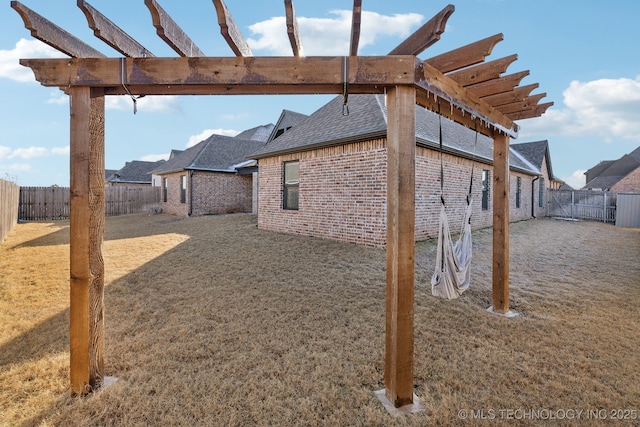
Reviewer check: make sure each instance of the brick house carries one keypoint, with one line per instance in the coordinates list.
(619, 176)
(205, 179)
(326, 176)
(133, 174)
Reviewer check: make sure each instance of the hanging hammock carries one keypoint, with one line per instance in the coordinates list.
(452, 274)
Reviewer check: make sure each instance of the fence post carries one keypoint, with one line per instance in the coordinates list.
(573, 199)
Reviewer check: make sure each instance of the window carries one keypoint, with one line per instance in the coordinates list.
(541, 192)
(518, 188)
(485, 190)
(291, 184)
(165, 184)
(183, 189)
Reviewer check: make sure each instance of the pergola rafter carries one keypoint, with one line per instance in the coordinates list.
(293, 30)
(111, 34)
(456, 84)
(171, 32)
(230, 31)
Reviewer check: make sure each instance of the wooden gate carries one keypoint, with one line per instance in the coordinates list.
(582, 204)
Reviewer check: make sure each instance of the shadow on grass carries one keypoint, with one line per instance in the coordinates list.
(48, 337)
(112, 230)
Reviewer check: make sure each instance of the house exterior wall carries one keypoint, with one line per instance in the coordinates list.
(173, 205)
(342, 193)
(220, 192)
(628, 184)
(207, 193)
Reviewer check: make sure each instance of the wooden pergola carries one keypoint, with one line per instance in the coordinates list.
(458, 84)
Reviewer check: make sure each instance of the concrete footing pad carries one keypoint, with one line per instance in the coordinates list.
(508, 314)
(413, 408)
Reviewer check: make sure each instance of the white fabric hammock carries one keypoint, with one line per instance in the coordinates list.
(453, 262)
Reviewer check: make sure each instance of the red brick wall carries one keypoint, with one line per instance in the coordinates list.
(628, 184)
(343, 193)
(213, 193)
(173, 205)
(219, 192)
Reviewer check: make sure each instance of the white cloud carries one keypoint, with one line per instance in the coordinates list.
(17, 167)
(151, 104)
(195, 139)
(329, 36)
(576, 180)
(10, 67)
(154, 157)
(58, 98)
(605, 108)
(31, 152)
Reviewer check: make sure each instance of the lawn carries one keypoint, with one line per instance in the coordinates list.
(211, 321)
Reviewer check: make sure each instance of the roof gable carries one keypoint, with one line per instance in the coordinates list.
(258, 133)
(287, 120)
(536, 153)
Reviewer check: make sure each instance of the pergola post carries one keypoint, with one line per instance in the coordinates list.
(500, 223)
(401, 159)
(86, 222)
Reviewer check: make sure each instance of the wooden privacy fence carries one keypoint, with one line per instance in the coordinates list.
(582, 204)
(51, 203)
(8, 207)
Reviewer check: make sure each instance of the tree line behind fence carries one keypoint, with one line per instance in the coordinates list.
(51, 203)
(9, 193)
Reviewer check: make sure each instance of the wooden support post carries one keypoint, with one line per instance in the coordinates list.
(501, 223)
(86, 220)
(401, 158)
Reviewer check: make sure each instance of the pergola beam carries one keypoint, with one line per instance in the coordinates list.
(356, 21)
(293, 30)
(111, 34)
(464, 99)
(426, 35)
(230, 31)
(49, 33)
(171, 32)
(465, 56)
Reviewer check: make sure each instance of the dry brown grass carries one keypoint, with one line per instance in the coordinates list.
(210, 321)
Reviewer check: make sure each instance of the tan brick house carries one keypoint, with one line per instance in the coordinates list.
(326, 176)
(207, 178)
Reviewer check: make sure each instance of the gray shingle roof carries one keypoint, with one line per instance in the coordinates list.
(135, 172)
(614, 172)
(367, 120)
(258, 133)
(216, 153)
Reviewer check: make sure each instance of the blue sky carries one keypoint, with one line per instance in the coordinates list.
(584, 55)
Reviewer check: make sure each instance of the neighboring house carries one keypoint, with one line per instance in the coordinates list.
(619, 176)
(204, 179)
(538, 155)
(326, 176)
(134, 173)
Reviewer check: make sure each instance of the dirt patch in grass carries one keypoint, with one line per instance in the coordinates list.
(210, 321)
